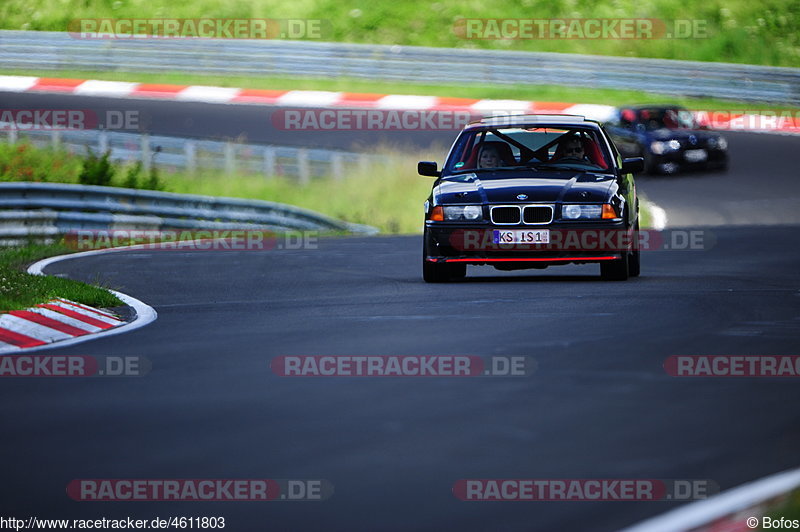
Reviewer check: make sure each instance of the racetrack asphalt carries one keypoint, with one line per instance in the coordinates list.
(600, 404)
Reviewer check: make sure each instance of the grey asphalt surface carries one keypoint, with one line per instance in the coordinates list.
(244, 123)
(600, 404)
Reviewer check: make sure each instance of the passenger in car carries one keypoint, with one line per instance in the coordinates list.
(489, 157)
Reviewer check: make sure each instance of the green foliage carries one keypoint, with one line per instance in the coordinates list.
(23, 162)
(19, 290)
(97, 170)
(153, 180)
(132, 176)
(388, 195)
(739, 31)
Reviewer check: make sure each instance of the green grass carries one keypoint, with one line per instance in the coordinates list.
(740, 31)
(542, 93)
(789, 509)
(20, 290)
(389, 196)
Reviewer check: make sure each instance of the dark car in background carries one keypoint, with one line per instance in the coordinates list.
(530, 192)
(668, 138)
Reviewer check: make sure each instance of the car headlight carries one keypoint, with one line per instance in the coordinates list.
(582, 212)
(605, 211)
(658, 147)
(470, 213)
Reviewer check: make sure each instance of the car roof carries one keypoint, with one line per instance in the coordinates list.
(533, 120)
(660, 106)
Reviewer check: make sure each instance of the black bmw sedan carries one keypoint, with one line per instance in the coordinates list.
(668, 138)
(531, 192)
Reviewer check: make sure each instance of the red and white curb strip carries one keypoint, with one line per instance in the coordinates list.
(56, 320)
(733, 121)
(59, 322)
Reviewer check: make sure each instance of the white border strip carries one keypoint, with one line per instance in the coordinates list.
(730, 502)
(658, 215)
(145, 314)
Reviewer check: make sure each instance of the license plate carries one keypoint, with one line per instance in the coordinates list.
(695, 156)
(521, 236)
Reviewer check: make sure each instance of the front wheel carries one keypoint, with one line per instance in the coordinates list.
(437, 272)
(634, 259)
(615, 270)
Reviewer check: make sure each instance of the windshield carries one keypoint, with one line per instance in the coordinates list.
(498, 149)
(670, 118)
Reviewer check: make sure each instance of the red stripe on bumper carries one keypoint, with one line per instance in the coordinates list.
(528, 259)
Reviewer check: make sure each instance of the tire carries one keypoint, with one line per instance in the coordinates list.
(634, 258)
(614, 270)
(439, 272)
(435, 272)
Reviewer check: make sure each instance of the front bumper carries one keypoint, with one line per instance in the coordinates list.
(674, 160)
(569, 243)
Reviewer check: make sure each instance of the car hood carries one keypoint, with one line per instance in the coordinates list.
(543, 187)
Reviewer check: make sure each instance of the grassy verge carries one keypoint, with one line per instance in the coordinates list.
(739, 31)
(19, 290)
(390, 200)
(789, 509)
(541, 93)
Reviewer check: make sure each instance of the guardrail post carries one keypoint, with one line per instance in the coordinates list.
(363, 163)
(190, 150)
(303, 170)
(55, 138)
(230, 158)
(269, 161)
(12, 135)
(102, 142)
(337, 166)
(146, 159)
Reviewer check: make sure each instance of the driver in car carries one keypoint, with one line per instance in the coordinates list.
(573, 149)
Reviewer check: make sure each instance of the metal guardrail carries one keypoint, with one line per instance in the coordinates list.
(48, 209)
(56, 50)
(191, 155)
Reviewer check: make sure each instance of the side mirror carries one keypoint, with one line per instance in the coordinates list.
(428, 168)
(632, 165)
